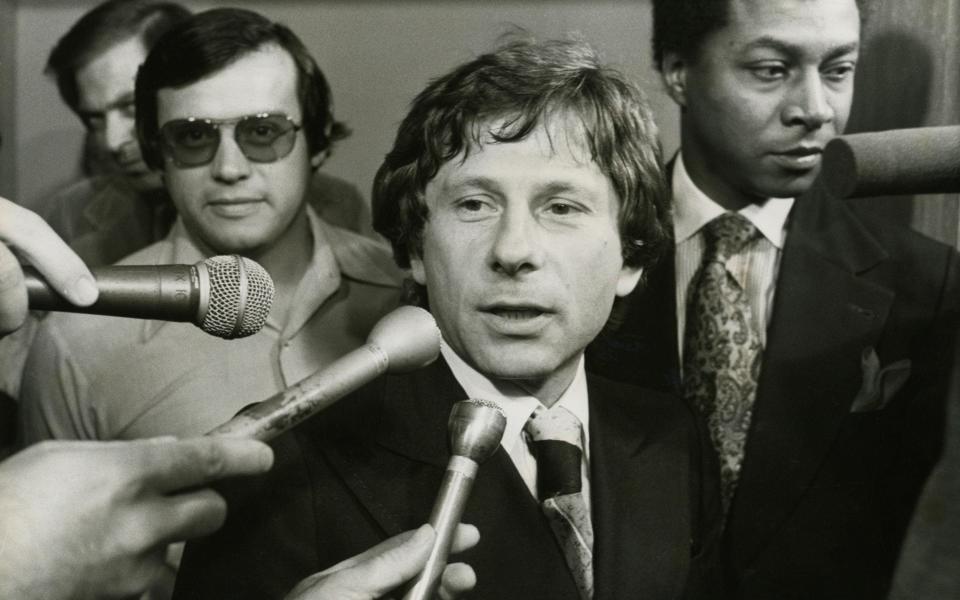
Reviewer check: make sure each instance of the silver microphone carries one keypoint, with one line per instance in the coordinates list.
(226, 296)
(403, 340)
(476, 428)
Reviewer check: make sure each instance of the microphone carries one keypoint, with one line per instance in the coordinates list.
(923, 160)
(476, 428)
(404, 340)
(226, 296)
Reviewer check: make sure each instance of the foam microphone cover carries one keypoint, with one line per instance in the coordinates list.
(923, 160)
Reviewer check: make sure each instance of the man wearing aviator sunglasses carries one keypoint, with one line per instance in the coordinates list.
(236, 116)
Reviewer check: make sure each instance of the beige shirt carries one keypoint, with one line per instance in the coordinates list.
(93, 377)
(755, 269)
(517, 406)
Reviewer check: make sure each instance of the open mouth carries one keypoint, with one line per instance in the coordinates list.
(516, 313)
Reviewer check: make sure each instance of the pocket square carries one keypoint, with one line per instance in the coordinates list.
(879, 385)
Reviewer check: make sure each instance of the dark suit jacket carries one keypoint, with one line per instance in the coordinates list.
(829, 480)
(370, 467)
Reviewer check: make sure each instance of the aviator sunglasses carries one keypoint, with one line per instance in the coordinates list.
(262, 137)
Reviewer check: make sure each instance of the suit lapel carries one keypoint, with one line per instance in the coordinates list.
(824, 315)
(639, 545)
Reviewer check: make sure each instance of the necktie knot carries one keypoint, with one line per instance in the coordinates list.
(555, 444)
(727, 235)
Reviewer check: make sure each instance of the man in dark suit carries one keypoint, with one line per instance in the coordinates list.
(818, 352)
(525, 193)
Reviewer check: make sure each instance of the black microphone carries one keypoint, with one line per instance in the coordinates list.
(923, 160)
(476, 428)
(226, 296)
(403, 340)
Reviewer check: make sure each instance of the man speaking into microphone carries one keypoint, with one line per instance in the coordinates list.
(236, 115)
(525, 193)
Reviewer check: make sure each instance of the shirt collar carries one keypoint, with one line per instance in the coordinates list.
(692, 209)
(517, 404)
(335, 250)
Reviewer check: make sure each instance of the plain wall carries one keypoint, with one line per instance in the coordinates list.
(376, 54)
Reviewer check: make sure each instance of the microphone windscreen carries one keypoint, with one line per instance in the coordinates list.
(241, 295)
(924, 160)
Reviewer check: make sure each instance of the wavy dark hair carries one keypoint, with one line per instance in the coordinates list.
(209, 42)
(524, 83)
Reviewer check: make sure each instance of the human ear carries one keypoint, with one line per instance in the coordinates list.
(319, 158)
(673, 70)
(417, 270)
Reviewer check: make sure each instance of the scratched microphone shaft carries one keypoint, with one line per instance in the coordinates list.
(267, 419)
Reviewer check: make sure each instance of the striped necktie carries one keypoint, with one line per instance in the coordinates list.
(555, 441)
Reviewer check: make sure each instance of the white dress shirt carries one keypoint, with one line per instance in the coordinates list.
(755, 269)
(517, 406)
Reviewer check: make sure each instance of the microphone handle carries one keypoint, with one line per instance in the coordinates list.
(447, 511)
(282, 411)
(167, 292)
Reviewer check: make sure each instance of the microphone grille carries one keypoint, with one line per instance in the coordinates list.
(241, 294)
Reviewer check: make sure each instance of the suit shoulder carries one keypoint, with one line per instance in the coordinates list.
(663, 408)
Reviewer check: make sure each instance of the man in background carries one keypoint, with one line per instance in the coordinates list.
(815, 344)
(122, 206)
(235, 113)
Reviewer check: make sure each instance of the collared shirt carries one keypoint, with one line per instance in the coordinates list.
(93, 377)
(517, 406)
(755, 269)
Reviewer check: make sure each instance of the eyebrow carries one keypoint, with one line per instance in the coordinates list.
(795, 50)
(492, 185)
(478, 181)
(124, 100)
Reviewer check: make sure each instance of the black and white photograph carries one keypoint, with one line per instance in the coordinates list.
(516, 299)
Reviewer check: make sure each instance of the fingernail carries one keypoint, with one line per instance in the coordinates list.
(84, 290)
(266, 457)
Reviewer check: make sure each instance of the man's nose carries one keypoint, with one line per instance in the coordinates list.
(119, 131)
(809, 104)
(516, 244)
(229, 163)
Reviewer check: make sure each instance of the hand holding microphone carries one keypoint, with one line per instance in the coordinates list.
(36, 241)
(226, 296)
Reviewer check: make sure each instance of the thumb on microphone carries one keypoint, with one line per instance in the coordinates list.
(388, 565)
(30, 235)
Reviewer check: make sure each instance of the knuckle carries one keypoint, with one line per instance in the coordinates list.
(212, 460)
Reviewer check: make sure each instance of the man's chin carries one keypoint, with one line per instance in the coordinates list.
(789, 184)
(517, 366)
